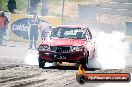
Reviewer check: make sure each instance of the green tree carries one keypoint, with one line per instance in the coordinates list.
(0, 5)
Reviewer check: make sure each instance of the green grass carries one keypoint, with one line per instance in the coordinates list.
(4, 4)
(21, 4)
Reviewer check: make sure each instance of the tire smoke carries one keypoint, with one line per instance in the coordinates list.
(111, 50)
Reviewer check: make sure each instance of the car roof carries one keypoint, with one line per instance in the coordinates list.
(71, 26)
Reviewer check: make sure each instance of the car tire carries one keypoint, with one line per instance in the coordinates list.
(41, 63)
(84, 62)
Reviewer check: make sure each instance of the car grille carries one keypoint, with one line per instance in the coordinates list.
(60, 49)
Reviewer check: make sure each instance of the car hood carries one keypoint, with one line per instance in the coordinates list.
(64, 42)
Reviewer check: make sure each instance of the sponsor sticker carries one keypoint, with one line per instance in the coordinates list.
(83, 77)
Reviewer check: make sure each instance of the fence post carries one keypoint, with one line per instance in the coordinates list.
(28, 6)
(62, 11)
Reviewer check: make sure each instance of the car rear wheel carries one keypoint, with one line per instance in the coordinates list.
(41, 63)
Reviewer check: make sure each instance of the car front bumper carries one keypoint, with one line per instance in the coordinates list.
(62, 57)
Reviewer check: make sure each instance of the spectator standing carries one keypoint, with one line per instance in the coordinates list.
(44, 8)
(44, 29)
(33, 6)
(3, 26)
(34, 25)
(11, 5)
(88, 34)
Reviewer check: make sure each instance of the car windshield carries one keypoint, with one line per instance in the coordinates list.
(73, 33)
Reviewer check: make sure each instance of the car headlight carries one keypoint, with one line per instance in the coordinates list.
(77, 48)
(44, 48)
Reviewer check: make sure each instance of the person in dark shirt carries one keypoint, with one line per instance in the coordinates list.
(34, 25)
(11, 5)
(33, 6)
(3, 26)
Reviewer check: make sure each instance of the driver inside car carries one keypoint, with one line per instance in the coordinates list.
(60, 33)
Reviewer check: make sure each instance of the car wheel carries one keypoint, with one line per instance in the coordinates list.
(41, 63)
(84, 62)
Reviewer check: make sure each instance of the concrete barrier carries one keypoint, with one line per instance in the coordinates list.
(116, 5)
(121, 12)
(122, 1)
(129, 28)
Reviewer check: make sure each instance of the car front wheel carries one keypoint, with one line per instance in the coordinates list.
(41, 63)
(84, 63)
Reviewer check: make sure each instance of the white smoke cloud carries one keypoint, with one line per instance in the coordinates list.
(32, 58)
(111, 50)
